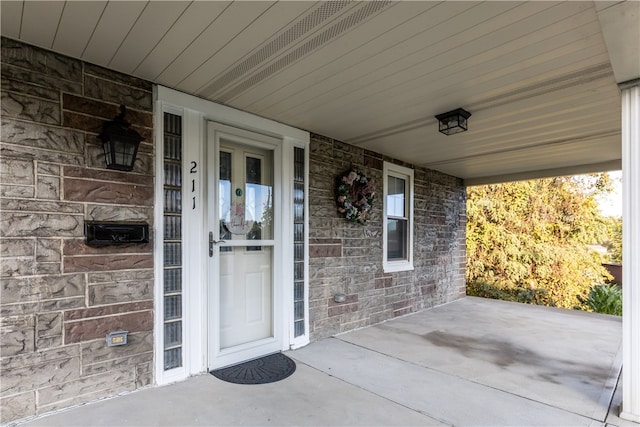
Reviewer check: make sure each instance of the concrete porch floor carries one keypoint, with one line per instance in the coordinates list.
(471, 362)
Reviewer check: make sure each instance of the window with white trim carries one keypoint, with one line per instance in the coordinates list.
(398, 218)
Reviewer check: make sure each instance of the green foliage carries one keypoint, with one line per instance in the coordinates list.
(517, 294)
(606, 299)
(528, 239)
(613, 239)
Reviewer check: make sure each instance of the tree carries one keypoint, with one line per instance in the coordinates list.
(527, 241)
(613, 239)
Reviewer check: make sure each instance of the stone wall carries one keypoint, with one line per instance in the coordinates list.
(58, 296)
(347, 258)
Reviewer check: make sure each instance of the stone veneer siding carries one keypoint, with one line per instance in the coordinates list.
(58, 296)
(347, 258)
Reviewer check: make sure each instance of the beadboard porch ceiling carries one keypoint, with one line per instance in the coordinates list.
(538, 77)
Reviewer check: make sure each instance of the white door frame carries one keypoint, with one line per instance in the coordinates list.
(218, 357)
(196, 113)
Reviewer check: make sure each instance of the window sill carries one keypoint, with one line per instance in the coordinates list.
(393, 267)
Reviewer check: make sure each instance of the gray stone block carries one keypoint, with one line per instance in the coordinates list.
(48, 187)
(40, 60)
(28, 108)
(48, 169)
(88, 385)
(120, 276)
(41, 288)
(48, 330)
(38, 375)
(13, 267)
(14, 171)
(17, 335)
(17, 191)
(17, 247)
(110, 293)
(17, 406)
(38, 135)
(119, 213)
(48, 250)
(40, 206)
(16, 224)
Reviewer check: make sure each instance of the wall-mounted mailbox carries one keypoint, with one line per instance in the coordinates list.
(112, 233)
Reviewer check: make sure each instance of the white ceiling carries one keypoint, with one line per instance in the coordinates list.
(538, 77)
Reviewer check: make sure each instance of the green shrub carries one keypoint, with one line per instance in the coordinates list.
(606, 299)
(505, 293)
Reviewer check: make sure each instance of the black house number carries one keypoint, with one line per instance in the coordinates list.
(194, 169)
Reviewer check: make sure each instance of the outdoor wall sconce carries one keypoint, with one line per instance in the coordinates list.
(453, 122)
(120, 143)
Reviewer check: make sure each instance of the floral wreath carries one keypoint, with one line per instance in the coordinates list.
(355, 196)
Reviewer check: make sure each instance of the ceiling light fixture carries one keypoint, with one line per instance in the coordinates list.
(453, 121)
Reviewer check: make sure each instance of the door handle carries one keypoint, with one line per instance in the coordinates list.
(213, 242)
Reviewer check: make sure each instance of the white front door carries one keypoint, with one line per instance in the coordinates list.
(242, 221)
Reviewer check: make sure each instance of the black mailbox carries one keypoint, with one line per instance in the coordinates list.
(114, 233)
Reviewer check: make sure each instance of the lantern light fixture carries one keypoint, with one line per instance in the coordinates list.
(453, 121)
(120, 143)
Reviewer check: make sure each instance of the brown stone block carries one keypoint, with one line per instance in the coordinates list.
(108, 90)
(115, 76)
(402, 312)
(16, 407)
(90, 107)
(81, 190)
(319, 251)
(106, 262)
(79, 247)
(109, 310)
(107, 175)
(82, 122)
(85, 330)
(342, 309)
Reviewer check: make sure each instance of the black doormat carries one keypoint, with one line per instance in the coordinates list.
(268, 369)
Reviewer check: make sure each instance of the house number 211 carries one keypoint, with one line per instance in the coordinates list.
(194, 169)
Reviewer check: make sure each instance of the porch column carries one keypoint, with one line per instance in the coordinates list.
(630, 409)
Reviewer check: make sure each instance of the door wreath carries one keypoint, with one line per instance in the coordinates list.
(355, 194)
